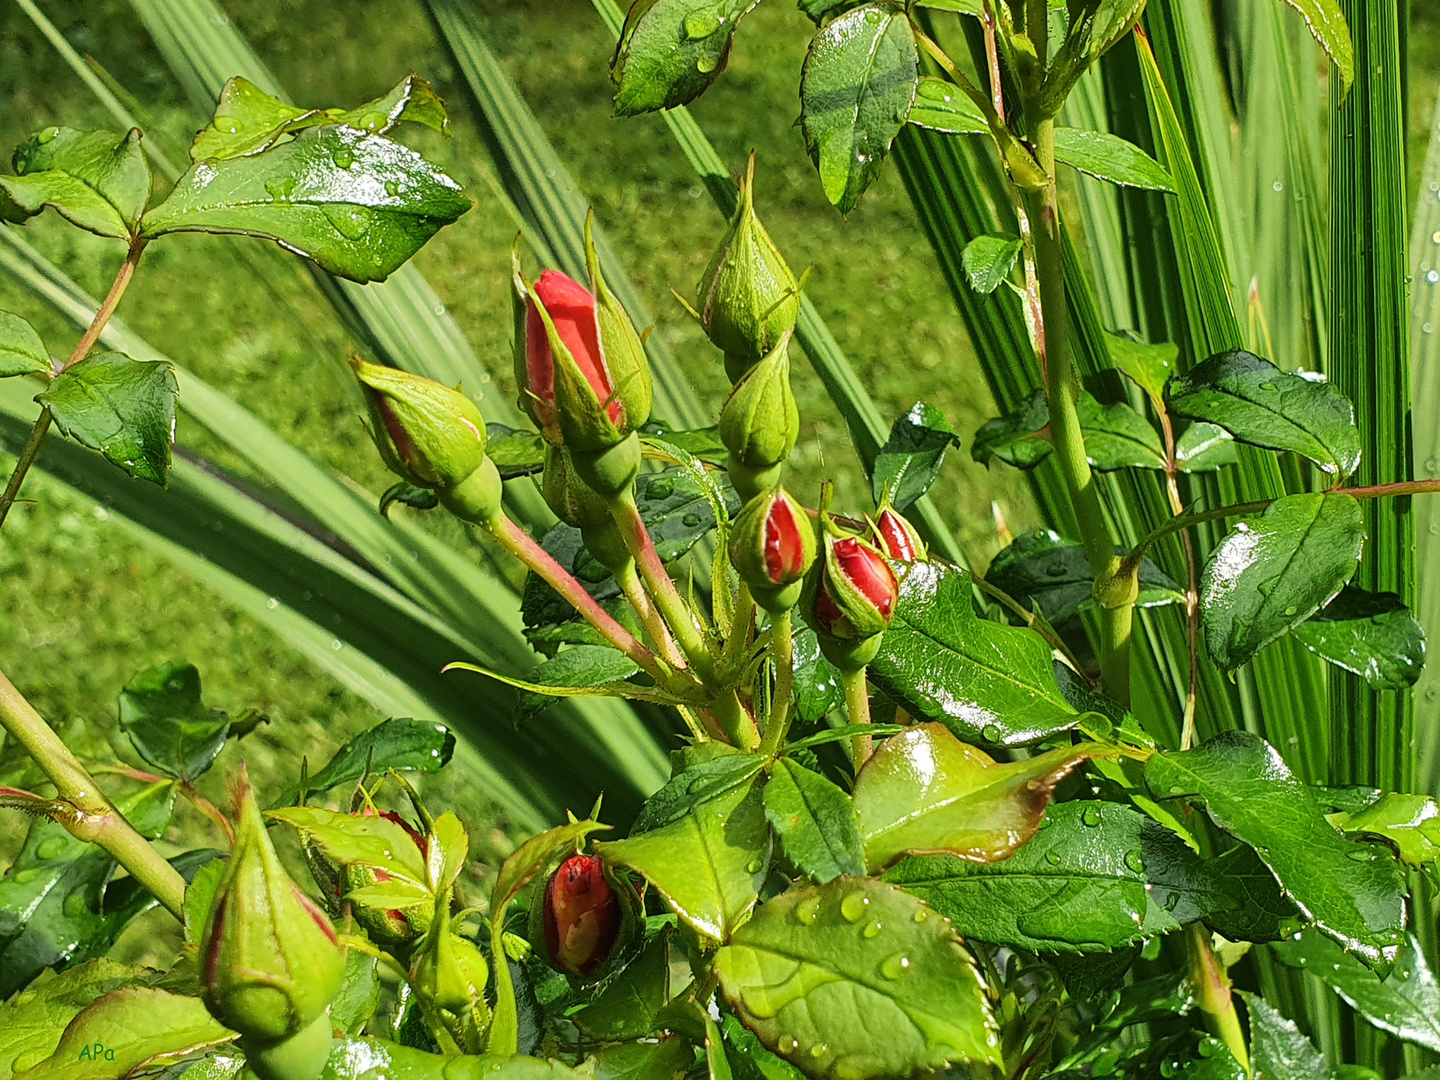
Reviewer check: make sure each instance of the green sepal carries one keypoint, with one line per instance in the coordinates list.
(760, 422)
(748, 554)
(610, 471)
(576, 504)
(441, 431)
(622, 351)
(543, 413)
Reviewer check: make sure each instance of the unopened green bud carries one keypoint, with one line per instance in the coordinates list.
(432, 437)
(579, 507)
(772, 545)
(270, 960)
(452, 973)
(610, 471)
(760, 423)
(747, 298)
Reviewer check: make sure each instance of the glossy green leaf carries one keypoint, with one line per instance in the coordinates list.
(1041, 569)
(94, 179)
(346, 839)
(398, 743)
(988, 261)
(199, 895)
(1409, 823)
(671, 50)
(21, 350)
(1097, 876)
(1259, 404)
(139, 1026)
(1276, 570)
(249, 121)
(1263, 913)
(1117, 437)
(1326, 20)
(161, 711)
(370, 1058)
(1353, 892)
(577, 666)
(752, 1060)
(1017, 438)
(857, 979)
(30, 1026)
(942, 106)
(625, 1006)
(925, 792)
(911, 458)
(815, 821)
(358, 204)
(124, 408)
(817, 682)
(514, 452)
(1150, 366)
(668, 1059)
(694, 785)
(352, 1008)
(1204, 448)
(1405, 1002)
(717, 1062)
(1110, 158)
(856, 90)
(703, 444)
(987, 682)
(710, 851)
(1373, 635)
(1278, 1049)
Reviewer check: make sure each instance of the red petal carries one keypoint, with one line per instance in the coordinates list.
(572, 309)
(582, 915)
(784, 546)
(827, 612)
(867, 570)
(898, 543)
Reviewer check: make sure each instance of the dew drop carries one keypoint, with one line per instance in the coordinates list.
(1135, 861)
(706, 64)
(22, 876)
(692, 521)
(659, 489)
(819, 1050)
(808, 910)
(344, 158)
(991, 733)
(921, 915)
(392, 188)
(873, 929)
(273, 603)
(280, 188)
(700, 25)
(351, 222)
(1091, 815)
(47, 135)
(754, 866)
(895, 966)
(853, 906)
(1052, 858)
(75, 905)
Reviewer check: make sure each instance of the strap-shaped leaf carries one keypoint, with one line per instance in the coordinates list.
(21, 350)
(1259, 404)
(670, 51)
(925, 792)
(857, 979)
(1353, 892)
(95, 179)
(1275, 571)
(856, 90)
(356, 203)
(124, 408)
(1373, 635)
(987, 682)
(1097, 876)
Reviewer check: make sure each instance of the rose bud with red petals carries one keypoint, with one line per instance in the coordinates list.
(772, 546)
(898, 537)
(849, 598)
(582, 916)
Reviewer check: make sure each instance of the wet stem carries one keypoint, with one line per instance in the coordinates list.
(82, 348)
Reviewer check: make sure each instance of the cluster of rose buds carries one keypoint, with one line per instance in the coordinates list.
(270, 962)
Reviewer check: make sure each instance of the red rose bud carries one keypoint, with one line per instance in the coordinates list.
(898, 537)
(582, 916)
(270, 961)
(748, 297)
(772, 545)
(849, 599)
(431, 436)
(760, 423)
(579, 363)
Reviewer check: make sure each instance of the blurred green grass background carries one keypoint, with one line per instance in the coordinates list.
(84, 605)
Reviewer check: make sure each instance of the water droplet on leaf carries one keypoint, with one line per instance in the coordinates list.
(853, 906)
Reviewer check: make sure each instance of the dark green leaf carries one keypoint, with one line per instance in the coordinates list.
(672, 50)
(988, 259)
(248, 120)
(856, 89)
(95, 179)
(1109, 157)
(1408, 823)
(1204, 448)
(1150, 366)
(702, 443)
(1258, 403)
(1354, 892)
(1263, 913)
(21, 350)
(1088, 975)
(162, 713)
(858, 979)
(514, 452)
(1015, 438)
(1117, 437)
(1372, 634)
(1406, 1002)
(418, 498)
(668, 1059)
(911, 458)
(713, 820)
(579, 665)
(1097, 876)
(817, 683)
(752, 1060)
(1278, 1049)
(924, 792)
(398, 743)
(626, 1005)
(1054, 575)
(124, 408)
(987, 682)
(815, 822)
(356, 203)
(1275, 571)
(942, 106)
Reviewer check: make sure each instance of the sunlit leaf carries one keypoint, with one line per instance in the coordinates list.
(671, 50)
(911, 458)
(21, 350)
(124, 408)
(161, 711)
(95, 179)
(815, 821)
(1373, 635)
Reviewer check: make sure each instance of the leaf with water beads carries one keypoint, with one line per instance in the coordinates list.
(670, 51)
(857, 979)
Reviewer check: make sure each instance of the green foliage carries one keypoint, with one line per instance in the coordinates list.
(162, 713)
(671, 50)
(910, 460)
(399, 743)
(21, 350)
(1040, 569)
(1372, 635)
(94, 179)
(815, 822)
(122, 407)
